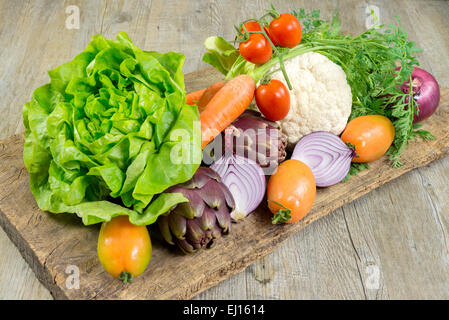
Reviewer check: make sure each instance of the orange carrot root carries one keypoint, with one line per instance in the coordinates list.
(208, 95)
(192, 98)
(226, 106)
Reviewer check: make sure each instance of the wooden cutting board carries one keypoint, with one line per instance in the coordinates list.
(53, 244)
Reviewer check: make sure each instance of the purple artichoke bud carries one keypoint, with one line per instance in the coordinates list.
(199, 222)
(254, 137)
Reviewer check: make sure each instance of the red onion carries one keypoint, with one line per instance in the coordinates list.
(327, 155)
(245, 180)
(426, 93)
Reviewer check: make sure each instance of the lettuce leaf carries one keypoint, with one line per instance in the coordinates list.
(111, 132)
(225, 58)
(221, 54)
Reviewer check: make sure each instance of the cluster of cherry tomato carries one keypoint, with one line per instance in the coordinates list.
(272, 96)
(284, 31)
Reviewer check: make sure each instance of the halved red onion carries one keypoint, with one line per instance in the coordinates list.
(245, 180)
(327, 155)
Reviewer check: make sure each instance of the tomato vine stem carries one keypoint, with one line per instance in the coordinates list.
(283, 215)
(246, 34)
(126, 277)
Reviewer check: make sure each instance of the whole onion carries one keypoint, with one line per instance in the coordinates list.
(327, 156)
(426, 93)
(245, 180)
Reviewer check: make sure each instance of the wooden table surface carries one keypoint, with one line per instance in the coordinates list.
(391, 244)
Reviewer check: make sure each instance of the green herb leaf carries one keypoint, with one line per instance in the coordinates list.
(355, 169)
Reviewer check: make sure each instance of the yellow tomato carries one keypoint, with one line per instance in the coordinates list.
(124, 249)
(291, 188)
(371, 135)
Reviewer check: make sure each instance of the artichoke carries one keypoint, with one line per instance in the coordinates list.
(254, 137)
(199, 222)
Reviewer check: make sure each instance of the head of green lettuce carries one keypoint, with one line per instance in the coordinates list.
(111, 132)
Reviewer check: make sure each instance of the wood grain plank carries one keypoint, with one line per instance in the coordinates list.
(18, 280)
(32, 232)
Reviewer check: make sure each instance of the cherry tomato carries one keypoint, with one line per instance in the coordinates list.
(254, 26)
(371, 135)
(285, 31)
(273, 100)
(291, 188)
(124, 249)
(256, 49)
(251, 26)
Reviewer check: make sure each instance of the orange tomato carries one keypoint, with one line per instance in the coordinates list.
(292, 187)
(371, 135)
(124, 249)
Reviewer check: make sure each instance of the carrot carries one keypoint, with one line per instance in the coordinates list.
(227, 104)
(193, 97)
(208, 95)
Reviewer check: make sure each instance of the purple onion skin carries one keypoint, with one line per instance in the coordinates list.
(245, 180)
(317, 148)
(426, 93)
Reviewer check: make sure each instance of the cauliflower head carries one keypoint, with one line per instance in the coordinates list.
(321, 99)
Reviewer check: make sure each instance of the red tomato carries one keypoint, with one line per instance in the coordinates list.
(256, 49)
(273, 100)
(254, 26)
(251, 26)
(291, 189)
(371, 135)
(285, 31)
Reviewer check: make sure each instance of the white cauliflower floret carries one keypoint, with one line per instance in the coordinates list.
(321, 98)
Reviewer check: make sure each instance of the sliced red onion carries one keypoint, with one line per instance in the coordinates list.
(327, 155)
(426, 93)
(245, 180)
